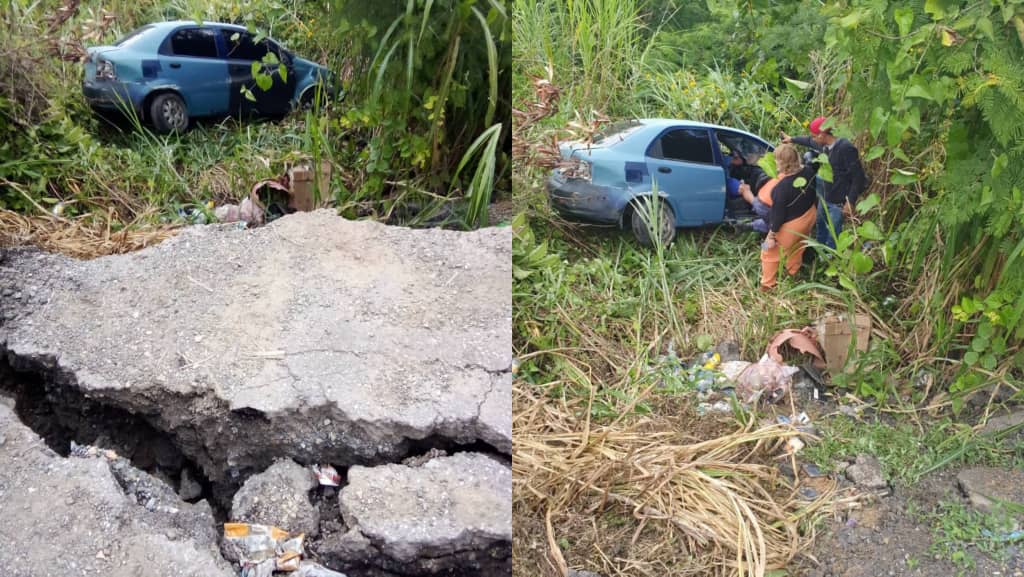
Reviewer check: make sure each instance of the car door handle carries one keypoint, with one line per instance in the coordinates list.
(175, 65)
(664, 169)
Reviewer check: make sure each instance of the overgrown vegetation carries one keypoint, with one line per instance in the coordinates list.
(930, 93)
(406, 143)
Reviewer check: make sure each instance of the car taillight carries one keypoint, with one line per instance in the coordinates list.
(105, 69)
(577, 169)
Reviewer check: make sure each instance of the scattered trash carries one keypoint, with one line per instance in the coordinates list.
(808, 493)
(710, 360)
(327, 475)
(716, 407)
(302, 183)
(766, 380)
(812, 470)
(733, 369)
(515, 367)
(835, 333)
(1005, 537)
(257, 547)
(86, 451)
(794, 445)
(803, 340)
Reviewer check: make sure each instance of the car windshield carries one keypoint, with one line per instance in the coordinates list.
(133, 35)
(616, 132)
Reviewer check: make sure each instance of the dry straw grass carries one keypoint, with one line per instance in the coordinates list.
(79, 238)
(719, 505)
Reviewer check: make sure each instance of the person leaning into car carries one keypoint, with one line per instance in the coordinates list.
(793, 212)
(848, 179)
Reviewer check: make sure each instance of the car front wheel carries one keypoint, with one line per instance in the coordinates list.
(653, 216)
(168, 113)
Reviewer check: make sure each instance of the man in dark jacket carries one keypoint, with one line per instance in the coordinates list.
(848, 178)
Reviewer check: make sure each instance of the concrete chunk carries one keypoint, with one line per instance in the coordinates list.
(278, 496)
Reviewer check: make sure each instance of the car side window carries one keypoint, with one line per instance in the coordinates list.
(240, 46)
(751, 149)
(684, 145)
(195, 42)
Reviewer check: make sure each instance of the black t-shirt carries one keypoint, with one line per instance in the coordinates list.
(790, 202)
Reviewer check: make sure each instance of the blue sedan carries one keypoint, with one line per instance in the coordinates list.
(694, 167)
(171, 72)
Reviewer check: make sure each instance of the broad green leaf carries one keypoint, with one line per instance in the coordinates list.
(998, 346)
(824, 167)
(894, 132)
(971, 358)
(283, 71)
(248, 94)
(898, 153)
(255, 69)
(979, 344)
(948, 39)
(986, 330)
(936, 8)
(797, 83)
(985, 27)
(968, 305)
(875, 152)
(919, 91)
(846, 283)
(870, 231)
(862, 263)
(264, 81)
(878, 118)
(235, 36)
(904, 19)
(988, 362)
(868, 203)
(799, 182)
(900, 176)
(767, 163)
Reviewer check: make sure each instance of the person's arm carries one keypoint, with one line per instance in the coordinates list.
(801, 140)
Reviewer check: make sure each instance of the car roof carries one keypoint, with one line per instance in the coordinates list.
(666, 122)
(171, 24)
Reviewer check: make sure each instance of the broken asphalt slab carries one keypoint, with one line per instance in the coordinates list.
(462, 507)
(94, 516)
(315, 337)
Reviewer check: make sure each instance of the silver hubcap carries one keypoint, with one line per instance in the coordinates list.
(174, 113)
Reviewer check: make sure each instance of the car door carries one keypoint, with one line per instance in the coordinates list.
(189, 59)
(682, 163)
(241, 50)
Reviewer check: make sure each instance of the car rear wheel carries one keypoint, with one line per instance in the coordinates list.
(650, 215)
(168, 113)
(310, 95)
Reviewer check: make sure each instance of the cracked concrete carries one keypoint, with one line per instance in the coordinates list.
(94, 516)
(462, 507)
(314, 337)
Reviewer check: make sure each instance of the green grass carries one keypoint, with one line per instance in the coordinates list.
(907, 451)
(959, 532)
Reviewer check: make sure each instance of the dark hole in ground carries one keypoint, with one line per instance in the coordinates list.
(61, 415)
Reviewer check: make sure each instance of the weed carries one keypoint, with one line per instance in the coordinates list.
(905, 451)
(959, 531)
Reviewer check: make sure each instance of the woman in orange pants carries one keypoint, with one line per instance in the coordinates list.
(792, 217)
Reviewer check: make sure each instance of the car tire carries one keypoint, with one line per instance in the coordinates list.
(642, 211)
(308, 97)
(168, 113)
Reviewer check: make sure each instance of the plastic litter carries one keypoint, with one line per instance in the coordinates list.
(804, 340)
(255, 545)
(793, 445)
(766, 380)
(327, 475)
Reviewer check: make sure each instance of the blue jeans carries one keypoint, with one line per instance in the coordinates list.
(821, 232)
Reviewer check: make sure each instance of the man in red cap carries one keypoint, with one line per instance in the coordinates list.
(848, 180)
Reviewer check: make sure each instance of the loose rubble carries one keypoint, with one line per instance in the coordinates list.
(278, 496)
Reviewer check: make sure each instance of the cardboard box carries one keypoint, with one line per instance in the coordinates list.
(835, 332)
(303, 186)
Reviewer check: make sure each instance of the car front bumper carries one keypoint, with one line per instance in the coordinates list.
(581, 199)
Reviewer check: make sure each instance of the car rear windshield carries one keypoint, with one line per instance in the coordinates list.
(616, 132)
(133, 35)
